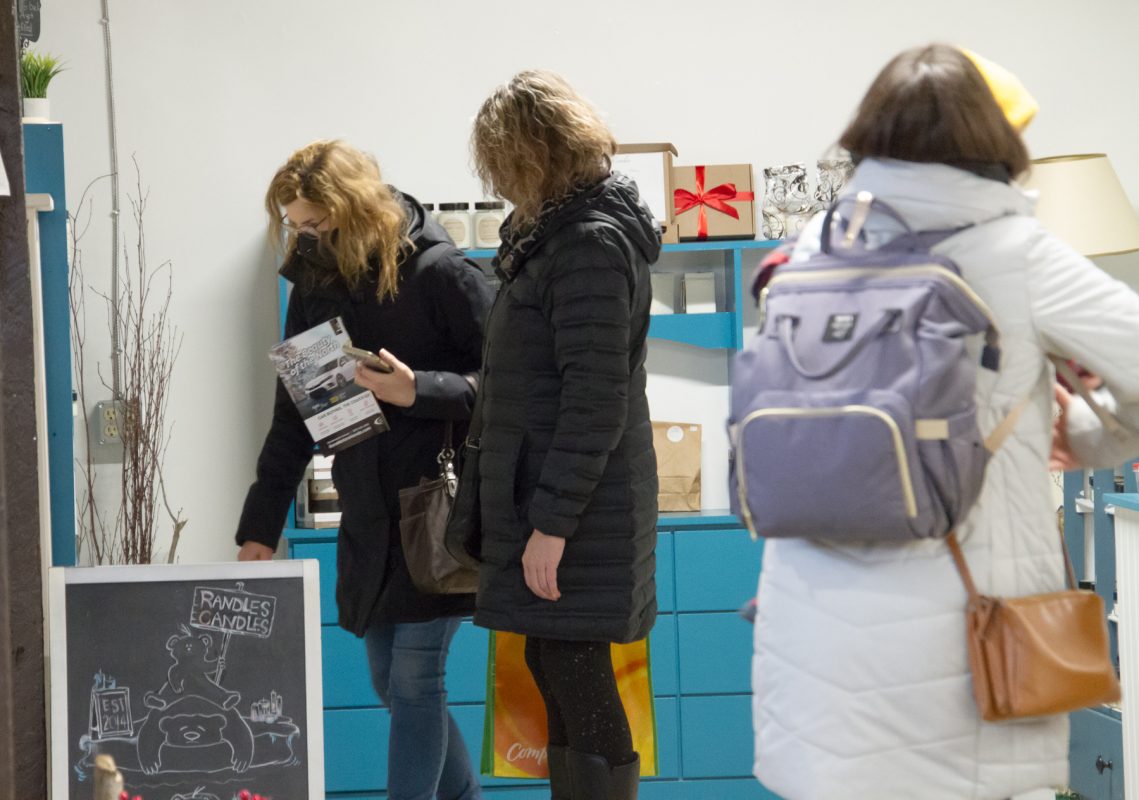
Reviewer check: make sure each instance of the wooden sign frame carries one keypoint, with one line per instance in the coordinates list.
(251, 620)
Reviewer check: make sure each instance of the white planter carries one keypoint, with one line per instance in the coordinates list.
(37, 109)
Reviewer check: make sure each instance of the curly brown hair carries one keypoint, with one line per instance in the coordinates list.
(536, 138)
(368, 219)
(931, 104)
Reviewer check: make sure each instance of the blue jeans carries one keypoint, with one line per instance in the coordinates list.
(427, 758)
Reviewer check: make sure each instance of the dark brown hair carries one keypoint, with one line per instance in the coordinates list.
(931, 104)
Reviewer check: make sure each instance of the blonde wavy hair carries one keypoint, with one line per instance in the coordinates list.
(365, 214)
(536, 138)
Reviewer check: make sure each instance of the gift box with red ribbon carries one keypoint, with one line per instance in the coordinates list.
(714, 202)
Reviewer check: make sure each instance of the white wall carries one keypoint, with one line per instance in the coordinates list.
(212, 95)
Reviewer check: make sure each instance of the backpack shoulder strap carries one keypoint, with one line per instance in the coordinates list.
(1001, 433)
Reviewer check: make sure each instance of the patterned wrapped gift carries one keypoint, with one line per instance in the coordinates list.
(714, 202)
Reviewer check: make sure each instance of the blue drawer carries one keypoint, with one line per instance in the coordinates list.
(716, 737)
(716, 570)
(347, 678)
(466, 664)
(730, 789)
(355, 750)
(662, 652)
(666, 573)
(537, 792)
(325, 553)
(1097, 737)
(356, 742)
(715, 653)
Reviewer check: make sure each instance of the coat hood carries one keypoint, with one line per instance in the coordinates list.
(935, 196)
(614, 203)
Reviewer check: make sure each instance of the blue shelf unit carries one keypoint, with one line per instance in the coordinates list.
(43, 168)
(707, 568)
(723, 329)
(1096, 749)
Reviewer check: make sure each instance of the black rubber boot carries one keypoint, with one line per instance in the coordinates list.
(594, 779)
(557, 756)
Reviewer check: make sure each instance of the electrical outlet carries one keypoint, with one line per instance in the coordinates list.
(104, 440)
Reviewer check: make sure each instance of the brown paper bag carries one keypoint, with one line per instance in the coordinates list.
(677, 445)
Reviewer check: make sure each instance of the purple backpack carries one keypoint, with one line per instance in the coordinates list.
(852, 410)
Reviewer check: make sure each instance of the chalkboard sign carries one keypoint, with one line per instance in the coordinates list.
(28, 21)
(201, 681)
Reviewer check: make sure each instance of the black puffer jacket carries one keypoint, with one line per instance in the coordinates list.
(435, 326)
(566, 440)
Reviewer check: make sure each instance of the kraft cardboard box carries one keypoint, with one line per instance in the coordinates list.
(714, 201)
(650, 166)
(677, 446)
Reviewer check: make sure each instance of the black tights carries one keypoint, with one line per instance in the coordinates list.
(583, 708)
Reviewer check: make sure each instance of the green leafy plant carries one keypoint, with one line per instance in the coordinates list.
(36, 72)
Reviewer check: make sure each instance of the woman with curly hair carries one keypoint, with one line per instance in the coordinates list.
(568, 474)
(369, 254)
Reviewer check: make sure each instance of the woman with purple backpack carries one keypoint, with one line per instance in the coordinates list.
(861, 675)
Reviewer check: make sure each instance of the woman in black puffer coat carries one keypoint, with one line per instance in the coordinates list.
(568, 474)
(364, 252)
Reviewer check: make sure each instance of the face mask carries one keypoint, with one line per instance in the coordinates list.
(314, 251)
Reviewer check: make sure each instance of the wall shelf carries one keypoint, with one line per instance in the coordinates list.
(727, 245)
(699, 330)
(722, 330)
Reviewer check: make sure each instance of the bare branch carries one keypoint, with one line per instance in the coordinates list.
(149, 347)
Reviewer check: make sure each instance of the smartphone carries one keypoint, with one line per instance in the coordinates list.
(367, 358)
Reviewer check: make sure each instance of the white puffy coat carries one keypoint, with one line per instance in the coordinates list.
(860, 675)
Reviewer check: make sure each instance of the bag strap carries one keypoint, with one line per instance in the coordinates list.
(448, 451)
(967, 576)
(993, 443)
(962, 567)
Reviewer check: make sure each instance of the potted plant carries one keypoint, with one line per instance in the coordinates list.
(36, 72)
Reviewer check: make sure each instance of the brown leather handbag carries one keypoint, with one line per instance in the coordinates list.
(424, 510)
(1037, 655)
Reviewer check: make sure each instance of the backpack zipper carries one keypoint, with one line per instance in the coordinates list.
(833, 411)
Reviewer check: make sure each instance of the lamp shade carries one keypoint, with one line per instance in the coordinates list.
(1082, 203)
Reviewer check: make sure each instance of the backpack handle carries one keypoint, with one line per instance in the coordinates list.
(864, 203)
(786, 326)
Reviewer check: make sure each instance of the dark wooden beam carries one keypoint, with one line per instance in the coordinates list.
(23, 731)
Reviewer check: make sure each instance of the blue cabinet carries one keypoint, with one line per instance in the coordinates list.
(1096, 745)
(1096, 754)
(707, 567)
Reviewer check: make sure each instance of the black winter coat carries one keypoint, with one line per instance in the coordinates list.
(435, 326)
(566, 444)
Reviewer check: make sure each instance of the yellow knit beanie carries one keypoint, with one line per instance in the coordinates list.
(1019, 106)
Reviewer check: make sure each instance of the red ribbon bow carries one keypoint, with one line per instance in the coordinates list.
(717, 197)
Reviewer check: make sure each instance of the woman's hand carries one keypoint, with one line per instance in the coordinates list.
(255, 551)
(1062, 458)
(396, 387)
(540, 564)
